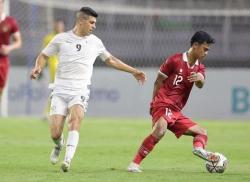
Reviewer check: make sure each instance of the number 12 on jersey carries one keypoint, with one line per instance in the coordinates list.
(168, 113)
(177, 80)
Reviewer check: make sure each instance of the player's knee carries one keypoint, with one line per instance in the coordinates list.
(56, 135)
(75, 123)
(199, 131)
(159, 132)
(203, 132)
(75, 119)
(76, 116)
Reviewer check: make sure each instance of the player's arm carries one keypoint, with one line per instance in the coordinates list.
(197, 78)
(16, 44)
(40, 64)
(51, 49)
(158, 83)
(119, 65)
(17, 41)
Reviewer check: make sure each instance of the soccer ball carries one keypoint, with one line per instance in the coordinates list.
(217, 167)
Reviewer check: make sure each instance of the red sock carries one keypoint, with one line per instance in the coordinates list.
(200, 141)
(146, 147)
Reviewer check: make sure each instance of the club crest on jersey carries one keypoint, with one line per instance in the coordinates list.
(180, 72)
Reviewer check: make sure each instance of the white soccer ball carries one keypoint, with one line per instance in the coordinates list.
(217, 167)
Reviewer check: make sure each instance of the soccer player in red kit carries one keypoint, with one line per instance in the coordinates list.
(172, 87)
(8, 28)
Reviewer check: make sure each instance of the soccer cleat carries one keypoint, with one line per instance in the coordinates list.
(134, 168)
(54, 156)
(65, 166)
(205, 155)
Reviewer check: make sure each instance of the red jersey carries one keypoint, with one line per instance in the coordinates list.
(8, 26)
(176, 88)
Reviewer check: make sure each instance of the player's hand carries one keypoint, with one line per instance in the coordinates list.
(5, 49)
(35, 72)
(194, 77)
(140, 77)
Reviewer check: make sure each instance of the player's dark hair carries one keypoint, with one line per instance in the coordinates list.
(202, 37)
(89, 11)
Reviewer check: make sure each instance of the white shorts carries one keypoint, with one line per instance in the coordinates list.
(60, 103)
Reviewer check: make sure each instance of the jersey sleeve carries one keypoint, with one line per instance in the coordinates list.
(15, 27)
(102, 51)
(167, 67)
(52, 48)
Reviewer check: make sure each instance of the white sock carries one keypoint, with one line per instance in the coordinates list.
(198, 148)
(203, 151)
(59, 141)
(72, 141)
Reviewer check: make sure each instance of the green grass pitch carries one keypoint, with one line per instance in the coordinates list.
(107, 146)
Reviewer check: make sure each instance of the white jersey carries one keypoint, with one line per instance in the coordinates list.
(76, 58)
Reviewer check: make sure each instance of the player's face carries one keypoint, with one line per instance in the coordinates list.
(201, 50)
(87, 25)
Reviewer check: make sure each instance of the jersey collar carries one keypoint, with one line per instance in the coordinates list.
(78, 37)
(3, 16)
(184, 57)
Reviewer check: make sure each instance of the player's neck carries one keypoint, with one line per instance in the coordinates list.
(191, 57)
(78, 33)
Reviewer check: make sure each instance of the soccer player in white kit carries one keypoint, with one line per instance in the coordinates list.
(77, 51)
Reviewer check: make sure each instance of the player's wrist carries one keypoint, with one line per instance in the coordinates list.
(134, 71)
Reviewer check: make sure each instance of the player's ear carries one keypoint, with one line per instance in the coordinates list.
(195, 44)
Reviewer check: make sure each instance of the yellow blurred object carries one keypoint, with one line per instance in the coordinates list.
(53, 60)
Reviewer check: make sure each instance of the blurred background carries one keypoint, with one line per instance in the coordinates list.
(142, 33)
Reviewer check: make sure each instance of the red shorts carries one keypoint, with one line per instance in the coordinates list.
(4, 69)
(177, 122)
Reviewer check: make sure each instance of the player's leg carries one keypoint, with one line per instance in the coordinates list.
(58, 112)
(148, 144)
(74, 122)
(4, 68)
(199, 143)
(77, 107)
(56, 130)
